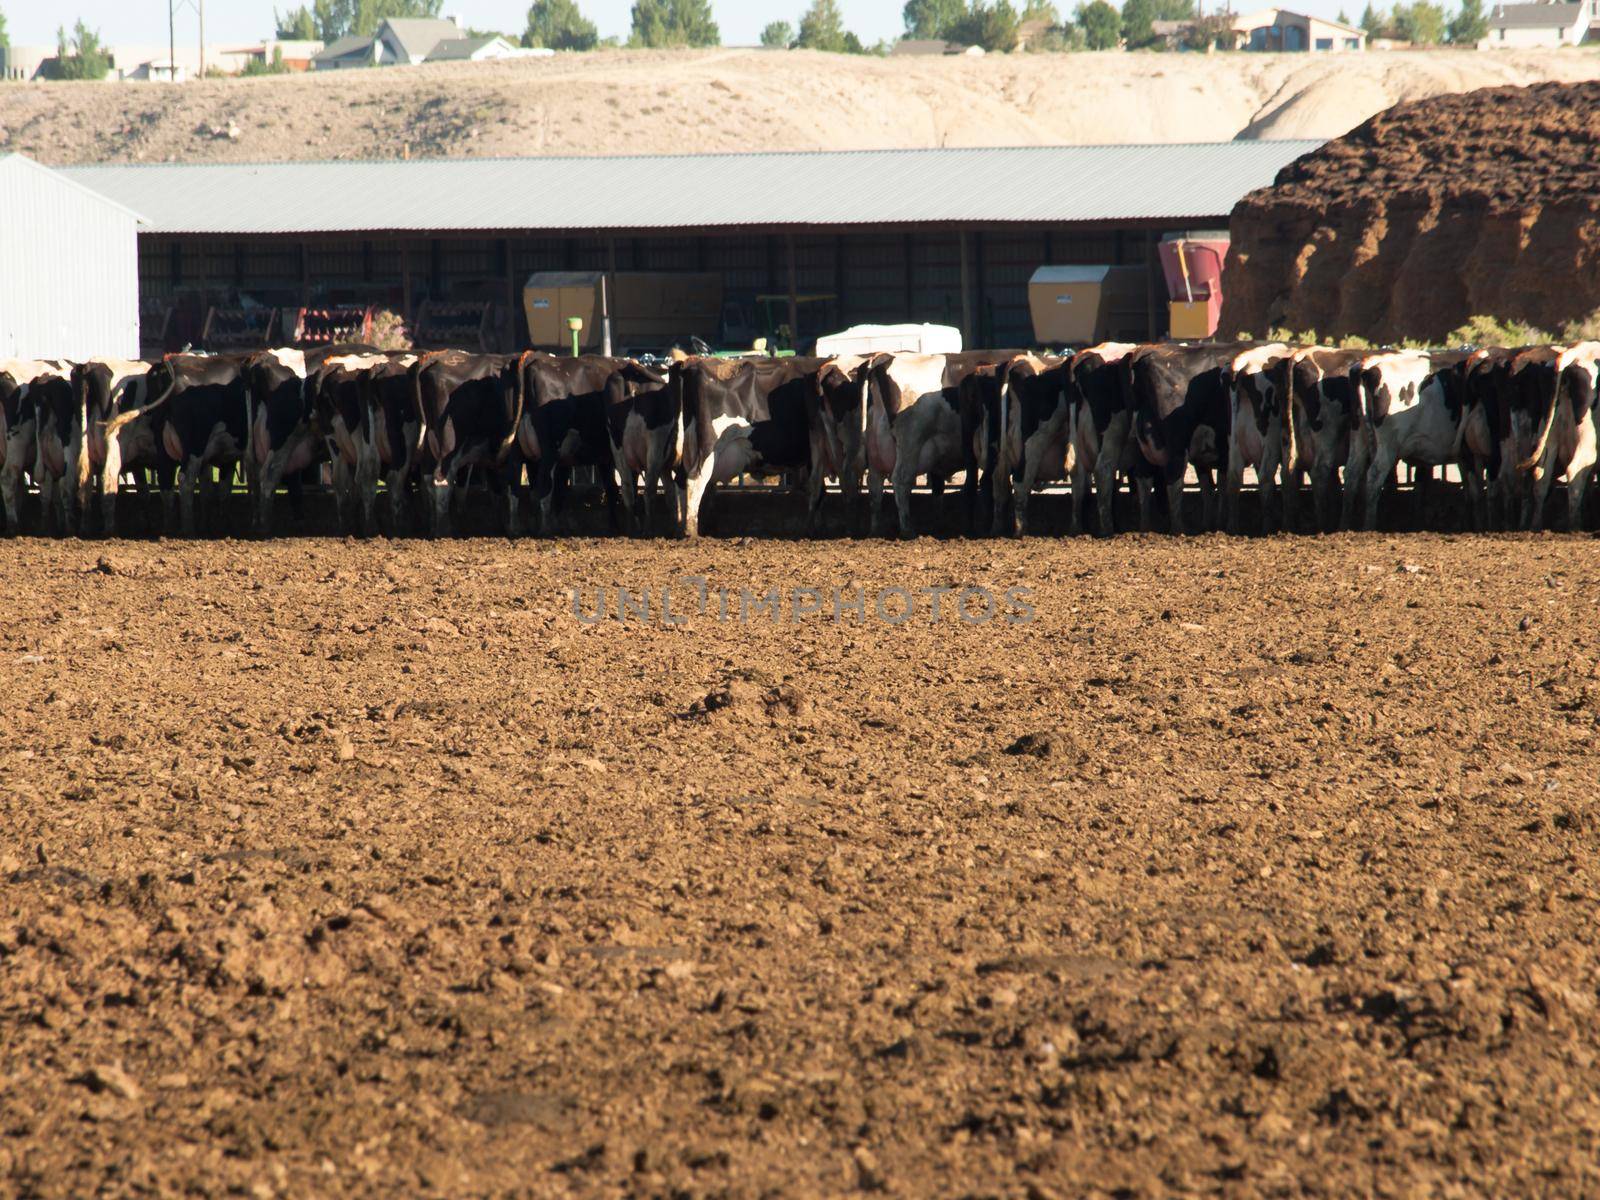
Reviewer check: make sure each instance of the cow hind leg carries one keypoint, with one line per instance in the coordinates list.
(875, 502)
(904, 482)
(1379, 476)
(188, 493)
(1175, 503)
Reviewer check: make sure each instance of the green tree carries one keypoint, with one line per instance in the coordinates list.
(1469, 26)
(778, 34)
(1375, 21)
(559, 25)
(674, 23)
(81, 56)
(296, 25)
(1172, 10)
(1137, 19)
(1214, 31)
(1101, 25)
(822, 28)
(5, 38)
(930, 18)
(261, 66)
(1421, 22)
(1036, 10)
(990, 25)
(340, 18)
(1342, 18)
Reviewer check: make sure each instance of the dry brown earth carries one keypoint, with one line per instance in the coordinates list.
(644, 102)
(1249, 867)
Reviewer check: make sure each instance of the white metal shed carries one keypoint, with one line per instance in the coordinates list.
(69, 267)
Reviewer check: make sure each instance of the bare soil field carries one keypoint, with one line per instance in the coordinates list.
(1246, 867)
(729, 101)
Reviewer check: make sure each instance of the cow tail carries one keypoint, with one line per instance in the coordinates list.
(1544, 433)
(510, 440)
(417, 368)
(1286, 398)
(1002, 463)
(116, 423)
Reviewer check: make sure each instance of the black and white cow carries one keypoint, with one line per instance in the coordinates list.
(838, 422)
(345, 419)
(643, 408)
(1323, 423)
(742, 417)
(1179, 398)
(562, 424)
(469, 405)
(203, 417)
(913, 424)
(1566, 444)
(1257, 386)
(1035, 443)
(58, 449)
(105, 387)
(18, 427)
(1100, 422)
(1412, 404)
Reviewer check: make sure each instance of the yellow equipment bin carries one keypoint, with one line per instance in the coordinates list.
(551, 297)
(646, 307)
(1191, 320)
(1082, 305)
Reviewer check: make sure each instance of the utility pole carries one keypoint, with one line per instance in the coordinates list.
(172, 43)
(202, 4)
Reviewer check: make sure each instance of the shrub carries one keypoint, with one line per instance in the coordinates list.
(1483, 330)
(389, 330)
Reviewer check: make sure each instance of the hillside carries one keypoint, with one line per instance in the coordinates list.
(1480, 204)
(733, 100)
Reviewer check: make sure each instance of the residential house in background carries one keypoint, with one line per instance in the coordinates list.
(1517, 26)
(1278, 29)
(931, 48)
(474, 49)
(404, 41)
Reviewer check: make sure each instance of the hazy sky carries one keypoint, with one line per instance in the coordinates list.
(145, 21)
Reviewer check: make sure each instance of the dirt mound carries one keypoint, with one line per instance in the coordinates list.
(336, 869)
(643, 102)
(1485, 203)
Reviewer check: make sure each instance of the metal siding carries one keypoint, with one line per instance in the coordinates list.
(69, 287)
(1060, 184)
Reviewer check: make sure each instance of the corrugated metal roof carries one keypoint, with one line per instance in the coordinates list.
(864, 187)
(20, 163)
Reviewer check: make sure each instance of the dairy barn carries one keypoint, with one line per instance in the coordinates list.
(255, 254)
(69, 284)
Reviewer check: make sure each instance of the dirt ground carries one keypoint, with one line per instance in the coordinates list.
(1246, 867)
(731, 101)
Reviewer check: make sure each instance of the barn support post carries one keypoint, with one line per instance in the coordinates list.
(305, 276)
(910, 291)
(511, 295)
(966, 290)
(405, 281)
(980, 298)
(794, 297)
(608, 289)
(1150, 286)
(838, 281)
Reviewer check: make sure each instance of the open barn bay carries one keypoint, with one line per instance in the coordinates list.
(1255, 867)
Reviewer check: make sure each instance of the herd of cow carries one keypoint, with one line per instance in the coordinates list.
(1511, 421)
